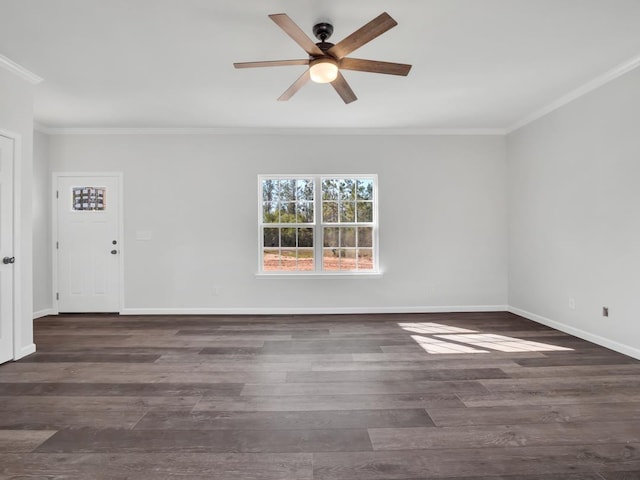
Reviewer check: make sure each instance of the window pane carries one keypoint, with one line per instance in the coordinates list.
(288, 261)
(331, 259)
(270, 190)
(272, 237)
(330, 212)
(365, 189)
(347, 259)
(365, 212)
(365, 235)
(305, 237)
(88, 199)
(304, 212)
(330, 189)
(288, 212)
(347, 189)
(331, 237)
(269, 212)
(287, 189)
(305, 260)
(270, 260)
(348, 212)
(348, 237)
(288, 237)
(304, 189)
(365, 259)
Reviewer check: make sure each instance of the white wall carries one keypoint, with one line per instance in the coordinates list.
(574, 216)
(16, 116)
(442, 218)
(42, 298)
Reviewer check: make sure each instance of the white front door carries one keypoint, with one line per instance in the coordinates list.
(88, 243)
(6, 249)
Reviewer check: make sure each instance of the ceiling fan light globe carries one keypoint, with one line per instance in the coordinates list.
(323, 70)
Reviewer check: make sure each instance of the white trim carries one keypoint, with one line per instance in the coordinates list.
(44, 313)
(330, 275)
(270, 131)
(597, 339)
(311, 310)
(24, 351)
(597, 82)
(19, 70)
(55, 176)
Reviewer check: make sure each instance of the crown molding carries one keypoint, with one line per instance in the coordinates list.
(267, 131)
(19, 70)
(597, 82)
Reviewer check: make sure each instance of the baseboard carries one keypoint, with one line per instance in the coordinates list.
(576, 332)
(24, 351)
(312, 310)
(43, 313)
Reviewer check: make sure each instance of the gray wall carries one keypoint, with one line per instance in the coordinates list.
(42, 289)
(442, 219)
(574, 216)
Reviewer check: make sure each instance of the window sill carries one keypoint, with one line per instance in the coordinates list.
(323, 276)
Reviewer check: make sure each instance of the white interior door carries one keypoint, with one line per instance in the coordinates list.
(88, 243)
(6, 249)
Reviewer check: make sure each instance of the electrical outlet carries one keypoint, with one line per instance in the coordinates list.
(605, 311)
(572, 303)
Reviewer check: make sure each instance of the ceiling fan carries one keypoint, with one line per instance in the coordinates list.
(326, 59)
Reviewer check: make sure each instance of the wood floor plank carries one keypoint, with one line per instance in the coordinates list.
(297, 403)
(364, 388)
(138, 389)
(88, 440)
(462, 463)
(93, 358)
(22, 441)
(396, 375)
(535, 397)
(515, 415)
(288, 420)
(509, 367)
(36, 403)
(59, 418)
(559, 434)
(157, 466)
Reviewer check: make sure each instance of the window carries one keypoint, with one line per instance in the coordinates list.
(318, 224)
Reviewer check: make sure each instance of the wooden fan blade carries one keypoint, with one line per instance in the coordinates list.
(297, 85)
(371, 30)
(343, 89)
(271, 63)
(295, 32)
(375, 66)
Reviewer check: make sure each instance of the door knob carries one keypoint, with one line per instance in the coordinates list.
(113, 252)
(8, 260)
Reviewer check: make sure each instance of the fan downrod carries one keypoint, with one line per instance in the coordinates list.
(322, 31)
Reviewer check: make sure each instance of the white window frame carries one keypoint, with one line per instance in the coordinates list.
(317, 226)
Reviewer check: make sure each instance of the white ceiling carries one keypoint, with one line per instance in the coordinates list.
(477, 64)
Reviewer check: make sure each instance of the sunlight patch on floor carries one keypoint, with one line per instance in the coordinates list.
(459, 340)
(502, 343)
(432, 345)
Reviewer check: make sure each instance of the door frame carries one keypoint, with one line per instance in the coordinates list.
(17, 245)
(54, 233)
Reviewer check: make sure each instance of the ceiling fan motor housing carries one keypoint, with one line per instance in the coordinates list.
(322, 31)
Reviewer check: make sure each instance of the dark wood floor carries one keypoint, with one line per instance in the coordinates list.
(487, 396)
